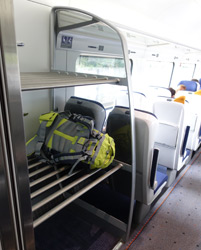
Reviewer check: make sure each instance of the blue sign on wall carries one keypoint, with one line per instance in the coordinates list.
(66, 42)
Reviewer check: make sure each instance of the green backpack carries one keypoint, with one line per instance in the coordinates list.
(71, 138)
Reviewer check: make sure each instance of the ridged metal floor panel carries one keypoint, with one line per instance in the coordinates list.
(49, 80)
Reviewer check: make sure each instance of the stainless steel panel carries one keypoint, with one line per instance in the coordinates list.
(7, 222)
(14, 174)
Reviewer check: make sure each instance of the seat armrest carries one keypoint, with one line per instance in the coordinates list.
(154, 168)
(185, 140)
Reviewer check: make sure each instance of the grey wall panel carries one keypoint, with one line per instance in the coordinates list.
(60, 60)
(34, 103)
(32, 28)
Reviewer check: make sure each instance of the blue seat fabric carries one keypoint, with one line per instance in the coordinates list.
(190, 85)
(161, 176)
(187, 153)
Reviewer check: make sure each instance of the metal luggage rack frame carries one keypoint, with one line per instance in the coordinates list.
(51, 187)
(49, 182)
(57, 79)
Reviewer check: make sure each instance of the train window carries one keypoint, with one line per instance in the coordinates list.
(100, 65)
(109, 66)
(106, 94)
(147, 73)
(182, 71)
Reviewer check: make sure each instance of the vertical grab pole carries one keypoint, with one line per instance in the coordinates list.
(132, 122)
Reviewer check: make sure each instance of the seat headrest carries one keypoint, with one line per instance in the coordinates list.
(180, 99)
(158, 91)
(87, 107)
(198, 92)
(190, 85)
(169, 111)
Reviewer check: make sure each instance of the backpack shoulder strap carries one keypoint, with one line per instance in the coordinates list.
(34, 144)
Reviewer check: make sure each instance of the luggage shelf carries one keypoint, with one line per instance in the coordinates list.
(52, 188)
(49, 80)
(45, 177)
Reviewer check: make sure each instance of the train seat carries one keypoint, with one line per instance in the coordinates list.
(150, 180)
(140, 101)
(194, 118)
(154, 91)
(186, 93)
(87, 107)
(200, 83)
(190, 85)
(122, 99)
(171, 136)
(194, 122)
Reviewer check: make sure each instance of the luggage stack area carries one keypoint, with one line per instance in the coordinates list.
(57, 196)
(58, 208)
(52, 190)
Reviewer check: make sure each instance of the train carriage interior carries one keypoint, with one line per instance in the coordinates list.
(70, 62)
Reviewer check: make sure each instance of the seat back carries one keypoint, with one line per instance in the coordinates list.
(87, 107)
(200, 83)
(190, 85)
(140, 100)
(193, 104)
(122, 99)
(171, 133)
(118, 126)
(186, 93)
(154, 91)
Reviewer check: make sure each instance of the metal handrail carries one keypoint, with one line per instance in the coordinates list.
(74, 196)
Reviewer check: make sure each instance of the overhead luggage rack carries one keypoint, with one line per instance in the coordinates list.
(53, 189)
(50, 80)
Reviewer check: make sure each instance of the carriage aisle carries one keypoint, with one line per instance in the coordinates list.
(173, 222)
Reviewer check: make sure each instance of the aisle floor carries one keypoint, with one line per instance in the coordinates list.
(177, 223)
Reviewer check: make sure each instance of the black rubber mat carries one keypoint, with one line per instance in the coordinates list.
(66, 231)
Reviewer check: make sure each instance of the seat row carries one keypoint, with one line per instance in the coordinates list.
(160, 138)
(192, 109)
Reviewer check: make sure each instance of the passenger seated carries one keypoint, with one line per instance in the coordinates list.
(180, 88)
(190, 85)
(173, 92)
